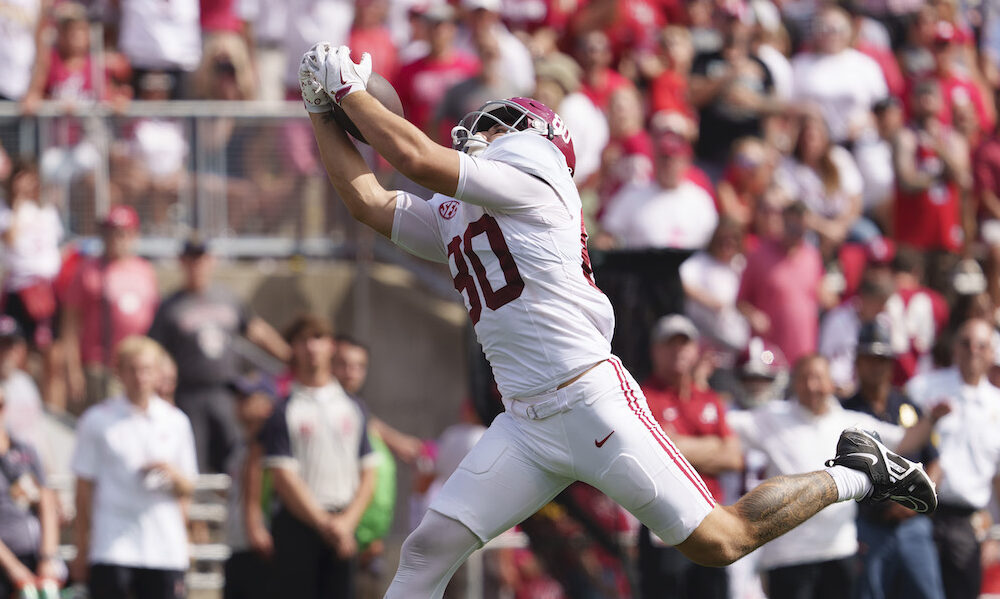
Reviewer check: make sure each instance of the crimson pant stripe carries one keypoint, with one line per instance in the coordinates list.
(659, 435)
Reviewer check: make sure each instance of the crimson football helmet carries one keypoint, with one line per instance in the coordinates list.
(517, 114)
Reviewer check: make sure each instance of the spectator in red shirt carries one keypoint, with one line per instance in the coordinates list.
(669, 90)
(932, 175)
(112, 296)
(695, 419)
(370, 34)
(781, 289)
(628, 157)
(422, 83)
(593, 52)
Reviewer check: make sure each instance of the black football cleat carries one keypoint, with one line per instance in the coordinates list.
(893, 477)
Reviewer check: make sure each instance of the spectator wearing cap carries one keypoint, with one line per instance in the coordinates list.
(711, 280)
(248, 569)
(422, 84)
(160, 42)
(956, 87)
(557, 85)
(315, 446)
(31, 230)
(695, 419)
(782, 288)
(825, 178)
(668, 212)
(481, 19)
(29, 523)
(111, 297)
(838, 332)
(919, 314)
(733, 92)
(969, 452)
(899, 553)
(198, 325)
(24, 412)
(842, 81)
(135, 469)
(932, 177)
(816, 559)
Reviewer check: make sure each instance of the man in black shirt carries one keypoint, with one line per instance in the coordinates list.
(897, 547)
(198, 325)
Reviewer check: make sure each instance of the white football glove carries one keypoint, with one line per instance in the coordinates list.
(340, 76)
(314, 96)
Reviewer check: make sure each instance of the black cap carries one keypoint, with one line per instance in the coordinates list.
(246, 386)
(874, 339)
(194, 247)
(9, 329)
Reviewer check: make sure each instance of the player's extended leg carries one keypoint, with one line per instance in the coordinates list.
(430, 556)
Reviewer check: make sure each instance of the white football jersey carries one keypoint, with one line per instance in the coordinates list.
(514, 240)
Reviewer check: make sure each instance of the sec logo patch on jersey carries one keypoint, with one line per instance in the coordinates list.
(448, 210)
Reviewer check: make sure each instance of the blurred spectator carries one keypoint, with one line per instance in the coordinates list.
(490, 83)
(711, 280)
(248, 569)
(24, 412)
(918, 313)
(628, 156)
(161, 42)
(816, 559)
(31, 230)
(839, 329)
(317, 451)
(824, 177)
(986, 172)
(669, 212)
(557, 84)
(225, 72)
(306, 22)
(350, 368)
(371, 34)
(23, 25)
(842, 81)
(166, 386)
(422, 84)
(781, 289)
(112, 296)
(135, 470)
(481, 19)
(768, 222)
(915, 57)
(264, 23)
(899, 550)
(696, 422)
(874, 160)
(733, 92)
(198, 325)
(970, 452)
(745, 179)
(29, 523)
(669, 90)
(932, 176)
(956, 88)
(872, 39)
(600, 80)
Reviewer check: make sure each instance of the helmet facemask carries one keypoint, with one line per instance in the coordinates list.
(469, 135)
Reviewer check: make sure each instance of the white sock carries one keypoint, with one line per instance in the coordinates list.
(851, 484)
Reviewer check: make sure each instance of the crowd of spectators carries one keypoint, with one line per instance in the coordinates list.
(833, 167)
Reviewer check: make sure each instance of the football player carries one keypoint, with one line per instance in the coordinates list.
(507, 219)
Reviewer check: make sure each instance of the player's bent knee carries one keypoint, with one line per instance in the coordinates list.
(717, 542)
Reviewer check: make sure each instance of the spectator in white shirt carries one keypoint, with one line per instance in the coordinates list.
(482, 17)
(816, 559)
(969, 445)
(844, 82)
(159, 37)
(135, 467)
(668, 212)
(711, 280)
(25, 414)
(31, 230)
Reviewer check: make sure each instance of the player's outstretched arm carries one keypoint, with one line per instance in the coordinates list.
(365, 198)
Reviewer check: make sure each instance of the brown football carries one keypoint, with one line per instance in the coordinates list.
(383, 92)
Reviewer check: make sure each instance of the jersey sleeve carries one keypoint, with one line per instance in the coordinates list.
(415, 228)
(500, 186)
